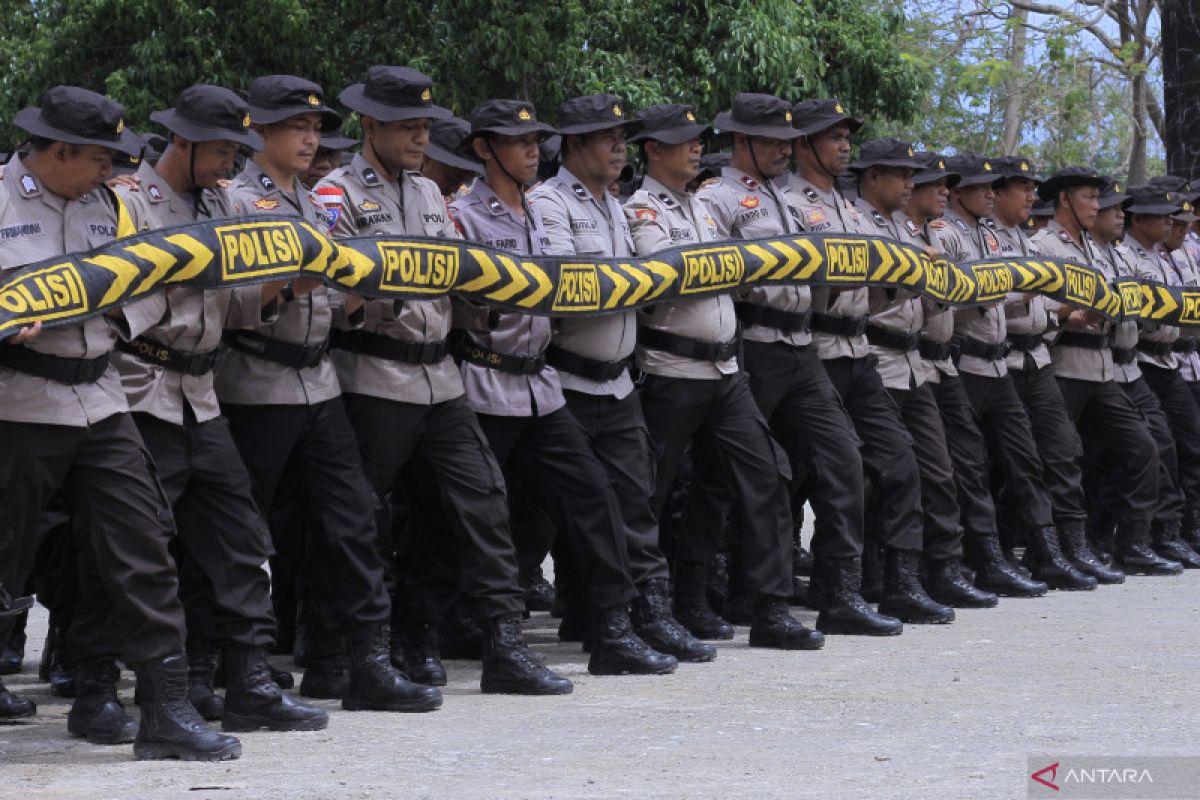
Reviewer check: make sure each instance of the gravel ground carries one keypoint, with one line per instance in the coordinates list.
(948, 711)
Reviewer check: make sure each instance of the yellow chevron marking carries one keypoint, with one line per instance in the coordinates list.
(518, 282)
(161, 259)
(201, 257)
(620, 285)
(644, 284)
(320, 263)
(543, 282)
(489, 275)
(886, 260)
(1169, 303)
(793, 258)
(815, 259)
(125, 272)
(668, 273)
(769, 260)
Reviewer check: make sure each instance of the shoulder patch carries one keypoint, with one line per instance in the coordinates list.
(992, 242)
(749, 182)
(811, 193)
(266, 182)
(1066, 237)
(29, 186)
(667, 200)
(962, 226)
(371, 177)
(814, 216)
(750, 202)
(266, 203)
(646, 213)
(154, 193)
(495, 206)
(579, 191)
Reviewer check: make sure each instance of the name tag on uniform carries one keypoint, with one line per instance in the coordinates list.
(20, 229)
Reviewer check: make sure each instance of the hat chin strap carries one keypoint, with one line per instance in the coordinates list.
(817, 157)
(520, 185)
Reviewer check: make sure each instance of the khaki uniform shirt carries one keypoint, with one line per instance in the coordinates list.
(482, 217)
(1149, 264)
(36, 224)
(1182, 264)
(660, 219)
(962, 240)
(939, 319)
(373, 204)
(247, 379)
(1023, 317)
(579, 224)
(743, 208)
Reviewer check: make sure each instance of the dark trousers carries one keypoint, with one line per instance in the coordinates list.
(720, 419)
(1121, 436)
(448, 445)
(968, 454)
(617, 431)
(557, 467)
(1183, 414)
(223, 539)
(887, 450)
(317, 443)
(1005, 426)
(1058, 444)
(919, 412)
(1171, 499)
(119, 510)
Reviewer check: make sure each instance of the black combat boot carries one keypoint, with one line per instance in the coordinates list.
(995, 573)
(1190, 529)
(1045, 560)
(539, 593)
(617, 650)
(14, 707)
(843, 610)
(170, 726)
(97, 714)
(460, 635)
(422, 659)
(202, 664)
(375, 685)
(1168, 544)
(510, 667)
(13, 605)
(654, 622)
(692, 610)
(948, 586)
(903, 595)
(1073, 538)
(1134, 555)
(1102, 536)
(774, 627)
(253, 700)
(328, 674)
(12, 654)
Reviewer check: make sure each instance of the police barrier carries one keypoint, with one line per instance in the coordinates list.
(228, 253)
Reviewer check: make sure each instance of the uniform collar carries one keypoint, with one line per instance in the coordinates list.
(368, 173)
(670, 198)
(264, 184)
(576, 188)
(813, 193)
(492, 204)
(742, 181)
(873, 213)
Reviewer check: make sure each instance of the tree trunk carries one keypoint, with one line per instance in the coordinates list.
(1013, 89)
(1181, 86)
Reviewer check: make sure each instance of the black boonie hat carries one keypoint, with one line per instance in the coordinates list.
(1043, 208)
(1154, 201)
(712, 164)
(1009, 167)
(506, 118)
(445, 137)
(391, 94)
(594, 112)
(933, 169)
(1174, 183)
(205, 113)
(814, 116)
(1069, 177)
(274, 98)
(78, 116)
(886, 153)
(758, 115)
(973, 169)
(1187, 211)
(670, 123)
(1113, 195)
(334, 140)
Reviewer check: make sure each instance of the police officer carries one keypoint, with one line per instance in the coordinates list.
(403, 391)
(443, 164)
(1028, 320)
(920, 221)
(520, 401)
(592, 355)
(280, 392)
(980, 335)
(328, 156)
(1147, 228)
(1084, 369)
(822, 154)
(793, 392)
(167, 376)
(885, 168)
(64, 425)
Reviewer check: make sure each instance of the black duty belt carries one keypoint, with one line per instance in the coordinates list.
(885, 337)
(1156, 349)
(589, 368)
(468, 351)
(935, 351)
(1124, 355)
(787, 321)
(169, 358)
(71, 371)
(1186, 345)
(839, 326)
(989, 351)
(687, 347)
(290, 354)
(377, 346)
(1086, 341)
(1025, 342)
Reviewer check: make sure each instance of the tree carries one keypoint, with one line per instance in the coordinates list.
(1181, 86)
